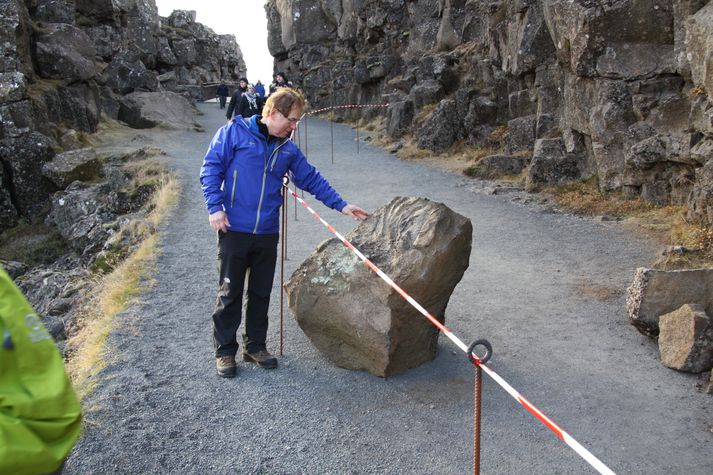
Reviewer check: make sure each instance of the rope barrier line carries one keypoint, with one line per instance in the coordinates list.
(347, 106)
(564, 436)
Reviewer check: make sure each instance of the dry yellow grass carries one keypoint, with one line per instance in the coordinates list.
(410, 151)
(111, 293)
(691, 246)
(584, 198)
(666, 225)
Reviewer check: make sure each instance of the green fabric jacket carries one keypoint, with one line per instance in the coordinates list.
(40, 415)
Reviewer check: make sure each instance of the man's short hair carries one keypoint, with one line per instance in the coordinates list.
(284, 99)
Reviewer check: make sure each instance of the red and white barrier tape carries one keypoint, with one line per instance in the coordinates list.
(347, 106)
(564, 436)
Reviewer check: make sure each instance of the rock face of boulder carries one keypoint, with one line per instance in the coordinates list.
(655, 292)
(357, 320)
(632, 80)
(686, 339)
(144, 110)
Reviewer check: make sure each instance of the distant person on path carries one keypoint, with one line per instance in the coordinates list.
(235, 98)
(250, 103)
(41, 417)
(260, 89)
(280, 81)
(241, 179)
(222, 92)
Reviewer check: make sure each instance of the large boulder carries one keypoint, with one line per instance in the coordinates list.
(65, 52)
(686, 339)
(144, 110)
(127, 73)
(655, 292)
(440, 130)
(498, 166)
(358, 321)
(521, 134)
(399, 118)
(552, 165)
(75, 165)
(23, 157)
(80, 215)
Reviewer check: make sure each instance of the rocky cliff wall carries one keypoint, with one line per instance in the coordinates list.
(617, 90)
(65, 64)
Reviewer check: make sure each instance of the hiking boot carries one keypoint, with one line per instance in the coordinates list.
(261, 358)
(226, 366)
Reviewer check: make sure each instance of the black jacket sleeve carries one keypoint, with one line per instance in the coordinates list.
(244, 107)
(233, 105)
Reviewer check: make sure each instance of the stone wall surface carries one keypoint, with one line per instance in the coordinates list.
(66, 64)
(625, 84)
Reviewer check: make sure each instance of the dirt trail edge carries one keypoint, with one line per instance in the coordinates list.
(546, 289)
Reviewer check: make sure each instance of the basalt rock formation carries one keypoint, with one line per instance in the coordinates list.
(67, 64)
(613, 90)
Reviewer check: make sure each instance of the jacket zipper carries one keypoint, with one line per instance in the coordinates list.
(232, 193)
(264, 177)
(274, 161)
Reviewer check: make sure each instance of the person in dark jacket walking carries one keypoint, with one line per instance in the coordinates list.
(235, 98)
(250, 103)
(241, 178)
(222, 92)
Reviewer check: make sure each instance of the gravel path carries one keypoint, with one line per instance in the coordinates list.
(546, 289)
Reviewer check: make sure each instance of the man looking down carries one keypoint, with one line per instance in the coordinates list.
(241, 179)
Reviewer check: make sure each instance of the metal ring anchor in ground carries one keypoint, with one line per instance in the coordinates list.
(488, 352)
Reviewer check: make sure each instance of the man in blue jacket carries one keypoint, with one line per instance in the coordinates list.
(241, 179)
(260, 89)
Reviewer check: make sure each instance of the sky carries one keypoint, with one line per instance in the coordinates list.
(243, 18)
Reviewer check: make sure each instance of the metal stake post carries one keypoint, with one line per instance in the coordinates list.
(331, 129)
(283, 255)
(476, 417)
(357, 127)
(306, 148)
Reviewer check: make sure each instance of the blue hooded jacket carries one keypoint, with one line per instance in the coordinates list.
(242, 175)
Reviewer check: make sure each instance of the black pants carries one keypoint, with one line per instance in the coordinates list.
(222, 100)
(240, 254)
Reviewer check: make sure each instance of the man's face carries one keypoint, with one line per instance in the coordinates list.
(243, 84)
(282, 126)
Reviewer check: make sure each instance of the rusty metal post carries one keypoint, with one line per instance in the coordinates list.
(476, 417)
(306, 146)
(331, 129)
(283, 253)
(357, 130)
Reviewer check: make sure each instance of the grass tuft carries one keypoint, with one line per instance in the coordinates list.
(111, 293)
(584, 198)
(114, 292)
